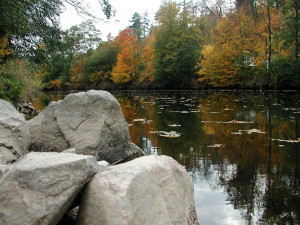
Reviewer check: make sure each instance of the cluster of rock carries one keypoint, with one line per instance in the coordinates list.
(43, 183)
(26, 108)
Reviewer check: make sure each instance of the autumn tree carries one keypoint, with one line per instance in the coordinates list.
(128, 59)
(231, 51)
(147, 73)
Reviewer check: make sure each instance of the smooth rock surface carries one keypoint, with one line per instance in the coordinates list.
(9, 116)
(12, 143)
(102, 164)
(91, 122)
(70, 150)
(151, 190)
(40, 187)
(3, 170)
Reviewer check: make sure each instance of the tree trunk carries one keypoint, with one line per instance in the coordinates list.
(269, 35)
(297, 29)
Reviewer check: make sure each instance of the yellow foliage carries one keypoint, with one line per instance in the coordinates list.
(121, 73)
(218, 64)
(239, 40)
(128, 60)
(4, 49)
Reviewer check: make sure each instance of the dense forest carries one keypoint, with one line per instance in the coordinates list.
(251, 44)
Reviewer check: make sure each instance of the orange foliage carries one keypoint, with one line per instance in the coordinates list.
(129, 59)
(55, 84)
(76, 74)
(148, 53)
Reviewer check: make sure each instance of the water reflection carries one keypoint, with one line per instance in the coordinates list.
(240, 149)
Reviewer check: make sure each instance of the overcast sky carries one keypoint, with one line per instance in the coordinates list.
(124, 12)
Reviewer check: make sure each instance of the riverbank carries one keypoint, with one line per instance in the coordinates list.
(42, 186)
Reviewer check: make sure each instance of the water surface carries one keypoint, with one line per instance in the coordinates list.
(241, 149)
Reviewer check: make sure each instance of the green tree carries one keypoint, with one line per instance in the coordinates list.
(290, 30)
(77, 40)
(136, 25)
(30, 22)
(80, 38)
(177, 46)
(98, 67)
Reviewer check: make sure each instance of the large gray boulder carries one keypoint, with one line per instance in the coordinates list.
(91, 122)
(148, 190)
(40, 187)
(9, 116)
(12, 143)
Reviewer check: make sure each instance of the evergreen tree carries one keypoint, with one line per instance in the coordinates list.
(136, 25)
(146, 26)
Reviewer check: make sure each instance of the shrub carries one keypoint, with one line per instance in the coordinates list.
(18, 80)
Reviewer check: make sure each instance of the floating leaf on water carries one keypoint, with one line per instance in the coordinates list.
(215, 146)
(214, 112)
(255, 131)
(139, 120)
(232, 121)
(151, 103)
(174, 125)
(290, 109)
(189, 105)
(238, 132)
(212, 121)
(171, 102)
(228, 109)
(143, 121)
(170, 134)
(148, 121)
(235, 121)
(288, 141)
(281, 146)
(130, 124)
(249, 131)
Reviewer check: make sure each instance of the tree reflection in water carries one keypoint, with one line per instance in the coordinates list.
(240, 145)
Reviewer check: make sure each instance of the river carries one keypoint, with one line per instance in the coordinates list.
(241, 148)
